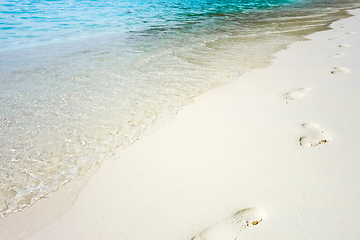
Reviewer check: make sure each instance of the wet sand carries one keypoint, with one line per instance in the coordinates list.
(281, 141)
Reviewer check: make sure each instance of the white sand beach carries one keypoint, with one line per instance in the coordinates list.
(282, 141)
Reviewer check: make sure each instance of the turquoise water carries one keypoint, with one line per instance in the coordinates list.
(25, 23)
(83, 79)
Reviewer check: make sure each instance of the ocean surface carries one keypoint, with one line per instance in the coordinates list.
(80, 80)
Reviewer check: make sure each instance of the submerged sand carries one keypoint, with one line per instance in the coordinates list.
(283, 139)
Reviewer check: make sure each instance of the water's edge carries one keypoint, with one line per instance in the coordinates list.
(50, 206)
(52, 157)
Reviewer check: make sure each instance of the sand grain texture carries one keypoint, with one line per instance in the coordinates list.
(236, 147)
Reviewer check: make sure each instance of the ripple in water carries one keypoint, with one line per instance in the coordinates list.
(67, 107)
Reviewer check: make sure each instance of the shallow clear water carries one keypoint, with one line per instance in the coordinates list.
(38, 21)
(80, 79)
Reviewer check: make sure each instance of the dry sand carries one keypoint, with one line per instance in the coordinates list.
(282, 141)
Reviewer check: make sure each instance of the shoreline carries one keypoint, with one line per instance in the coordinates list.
(83, 104)
(239, 146)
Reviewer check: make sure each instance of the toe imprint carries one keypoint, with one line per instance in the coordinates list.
(294, 94)
(314, 137)
(336, 55)
(339, 38)
(344, 45)
(232, 227)
(339, 70)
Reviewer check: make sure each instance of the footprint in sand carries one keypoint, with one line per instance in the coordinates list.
(339, 70)
(295, 94)
(337, 38)
(232, 227)
(336, 55)
(314, 137)
(344, 45)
